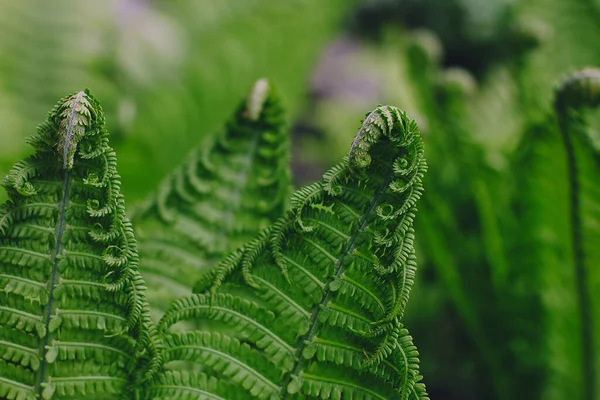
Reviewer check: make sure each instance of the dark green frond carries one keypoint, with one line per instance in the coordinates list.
(318, 297)
(72, 303)
(231, 187)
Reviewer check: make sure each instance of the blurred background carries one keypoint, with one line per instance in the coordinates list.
(477, 75)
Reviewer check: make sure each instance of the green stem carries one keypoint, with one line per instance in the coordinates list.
(53, 279)
(583, 295)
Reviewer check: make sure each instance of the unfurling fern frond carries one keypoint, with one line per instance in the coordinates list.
(312, 307)
(231, 187)
(559, 201)
(73, 316)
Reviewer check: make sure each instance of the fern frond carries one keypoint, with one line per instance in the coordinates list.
(567, 163)
(560, 213)
(72, 311)
(290, 293)
(228, 190)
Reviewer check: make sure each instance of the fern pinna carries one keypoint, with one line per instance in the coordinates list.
(312, 307)
(73, 317)
(230, 188)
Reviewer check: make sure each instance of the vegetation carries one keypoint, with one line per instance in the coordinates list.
(229, 189)
(310, 307)
(242, 288)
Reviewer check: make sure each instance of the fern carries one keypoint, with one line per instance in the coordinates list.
(73, 317)
(558, 204)
(312, 307)
(166, 80)
(231, 187)
(459, 228)
(581, 91)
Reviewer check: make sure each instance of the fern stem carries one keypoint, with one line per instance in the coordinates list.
(69, 134)
(583, 295)
(53, 277)
(340, 264)
(578, 92)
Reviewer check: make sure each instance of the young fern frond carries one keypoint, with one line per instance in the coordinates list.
(73, 316)
(229, 189)
(579, 92)
(312, 307)
(559, 208)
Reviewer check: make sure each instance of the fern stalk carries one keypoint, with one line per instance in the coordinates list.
(581, 90)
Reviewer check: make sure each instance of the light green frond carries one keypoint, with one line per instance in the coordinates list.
(560, 203)
(229, 189)
(244, 316)
(369, 297)
(15, 382)
(322, 383)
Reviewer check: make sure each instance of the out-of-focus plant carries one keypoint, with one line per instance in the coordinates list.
(165, 69)
(558, 206)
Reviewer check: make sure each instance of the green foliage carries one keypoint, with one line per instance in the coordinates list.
(500, 239)
(166, 70)
(307, 302)
(313, 306)
(560, 207)
(231, 187)
(493, 240)
(309, 307)
(74, 320)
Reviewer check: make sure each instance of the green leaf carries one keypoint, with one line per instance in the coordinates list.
(355, 226)
(49, 389)
(55, 322)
